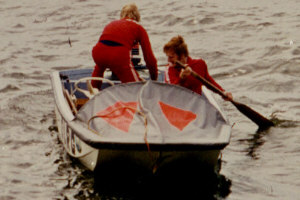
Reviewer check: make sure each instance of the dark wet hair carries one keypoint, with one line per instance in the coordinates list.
(177, 45)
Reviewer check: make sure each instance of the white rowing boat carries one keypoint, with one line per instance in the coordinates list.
(150, 123)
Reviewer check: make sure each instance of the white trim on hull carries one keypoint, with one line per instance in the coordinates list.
(74, 146)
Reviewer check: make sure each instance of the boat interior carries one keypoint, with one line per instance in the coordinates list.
(77, 86)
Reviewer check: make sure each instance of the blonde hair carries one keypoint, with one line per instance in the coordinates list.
(177, 45)
(131, 11)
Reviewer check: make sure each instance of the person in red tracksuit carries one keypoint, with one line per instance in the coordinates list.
(176, 50)
(113, 49)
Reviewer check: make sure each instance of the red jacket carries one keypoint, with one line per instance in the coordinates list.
(190, 82)
(128, 33)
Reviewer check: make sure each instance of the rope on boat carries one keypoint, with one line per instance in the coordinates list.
(126, 107)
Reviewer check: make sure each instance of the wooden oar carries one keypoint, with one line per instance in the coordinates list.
(261, 121)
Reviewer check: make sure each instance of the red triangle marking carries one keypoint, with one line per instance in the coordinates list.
(176, 116)
(119, 115)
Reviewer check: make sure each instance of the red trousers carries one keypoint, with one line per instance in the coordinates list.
(117, 59)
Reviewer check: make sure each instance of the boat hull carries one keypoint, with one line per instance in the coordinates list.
(150, 160)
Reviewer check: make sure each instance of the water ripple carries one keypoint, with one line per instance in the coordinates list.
(274, 50)
(46, 57)
(9, 88)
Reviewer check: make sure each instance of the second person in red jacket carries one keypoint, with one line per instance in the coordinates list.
(113, 49)
(176, 50)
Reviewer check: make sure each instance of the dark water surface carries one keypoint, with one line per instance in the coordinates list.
(252, 48)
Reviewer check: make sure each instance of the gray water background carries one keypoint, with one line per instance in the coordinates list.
(252, 49)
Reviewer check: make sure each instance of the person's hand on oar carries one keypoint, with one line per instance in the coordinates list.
(228, 97)
(187, 71)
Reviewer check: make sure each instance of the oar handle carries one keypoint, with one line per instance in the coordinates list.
(205, 82)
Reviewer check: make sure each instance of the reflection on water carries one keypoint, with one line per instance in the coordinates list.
(180, 181)
(257, 140)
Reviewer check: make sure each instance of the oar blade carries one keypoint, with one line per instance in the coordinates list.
(260, 120)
